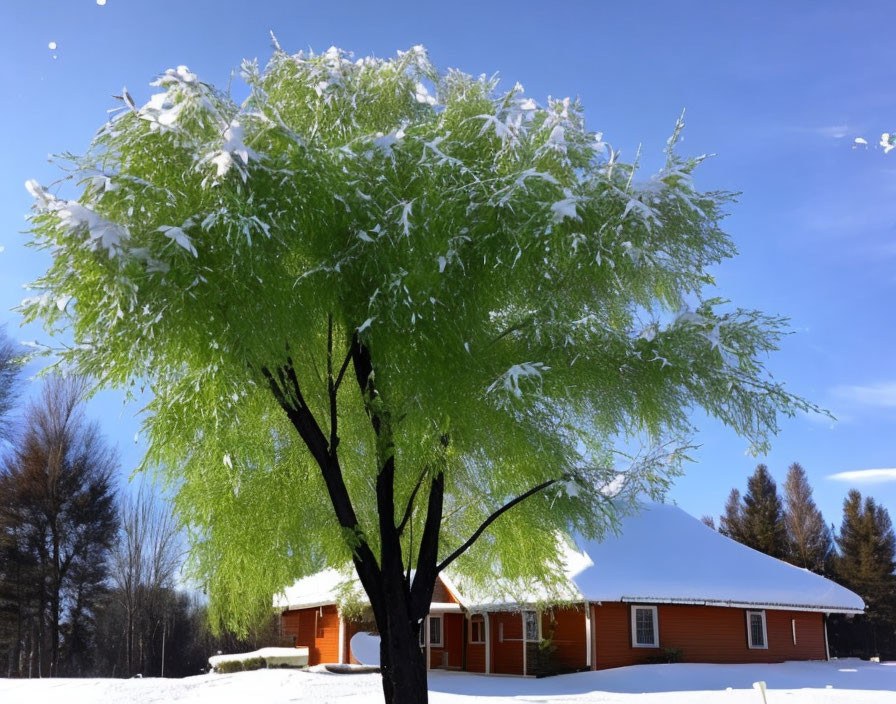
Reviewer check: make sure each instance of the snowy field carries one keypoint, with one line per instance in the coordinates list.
(840, 682)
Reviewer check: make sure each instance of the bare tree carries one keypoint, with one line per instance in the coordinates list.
(10, 365)
(58, 508)
(12, 564)
(146, 560)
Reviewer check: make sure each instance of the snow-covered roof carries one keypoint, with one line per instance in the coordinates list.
(332, 586)
(319, 589)
(664, 555)
(660, 555)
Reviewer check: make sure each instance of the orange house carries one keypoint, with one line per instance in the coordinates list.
(665, 587)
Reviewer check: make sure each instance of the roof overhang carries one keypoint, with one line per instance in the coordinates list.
(310, 605)
(739, 604)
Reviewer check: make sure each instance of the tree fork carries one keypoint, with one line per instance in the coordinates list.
(309, 430)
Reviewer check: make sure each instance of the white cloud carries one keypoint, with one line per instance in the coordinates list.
(866, 476)
(833, 131)
(881, 395)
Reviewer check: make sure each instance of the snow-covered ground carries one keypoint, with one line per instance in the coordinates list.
(837, 682)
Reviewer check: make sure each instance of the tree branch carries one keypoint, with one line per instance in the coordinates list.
(427, 570)
(345, 362)
(309, 430)
(409, 509)
(331, 388)
(491, 519)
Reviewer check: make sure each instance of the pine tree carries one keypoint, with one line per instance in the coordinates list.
(758, 520)
(732, 521)
(867, 556)
(808, 537)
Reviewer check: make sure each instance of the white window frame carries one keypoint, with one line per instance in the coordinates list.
(537, 625)
(750, 643)
(656, 626)
(481, 621)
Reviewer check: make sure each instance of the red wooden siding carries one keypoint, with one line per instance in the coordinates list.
(702, 633)
(707, 634)
(506, 642)
(317, 629)
(451, 653)
(566, 630)
(475, 651)
(351, 627)
(440, 594)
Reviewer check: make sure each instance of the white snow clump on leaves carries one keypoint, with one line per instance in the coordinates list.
(422, 95)
(177, 235)
(161, 111)
(565, 208)
(233, 146)
(510, 380)
(101, 233)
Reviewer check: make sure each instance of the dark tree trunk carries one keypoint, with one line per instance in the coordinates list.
(402, 661)
(400, 605)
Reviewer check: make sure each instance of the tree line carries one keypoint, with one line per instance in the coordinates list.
(89, 576)
(861, 555)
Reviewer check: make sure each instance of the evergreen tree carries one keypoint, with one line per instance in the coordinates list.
(758, 519)
(731, 523)
(379, 308)
(808, 537)
(867, 557)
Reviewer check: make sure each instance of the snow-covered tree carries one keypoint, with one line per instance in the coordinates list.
(379, 307)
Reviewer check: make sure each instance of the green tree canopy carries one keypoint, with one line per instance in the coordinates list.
(401, 294)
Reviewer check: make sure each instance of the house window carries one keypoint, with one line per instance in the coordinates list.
(757, 637)
(477, 629)
(645, 633)
(530, 621)
(435, 632)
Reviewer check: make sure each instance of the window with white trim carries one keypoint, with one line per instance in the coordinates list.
(530, 630)
(645, 630)
(435, 631)
(477, 629)
(757, 636)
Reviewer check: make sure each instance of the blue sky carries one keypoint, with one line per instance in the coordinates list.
(778, 91)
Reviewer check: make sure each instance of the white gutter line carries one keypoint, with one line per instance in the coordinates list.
(740, 604)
